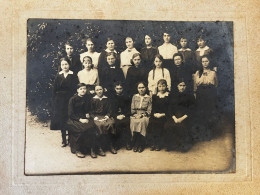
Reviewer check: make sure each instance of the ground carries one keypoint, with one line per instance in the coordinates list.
(44, 155)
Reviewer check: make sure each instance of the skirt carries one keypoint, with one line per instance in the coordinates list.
(139, 125)
(105, 127)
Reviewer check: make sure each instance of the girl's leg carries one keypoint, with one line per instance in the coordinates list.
(112, 143)
(141, 141)
(135, 141)
(63, 136)
(100, 143)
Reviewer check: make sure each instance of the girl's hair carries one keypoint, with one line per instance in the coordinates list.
(69, 44)
(118, 83)
(201, 37)
(135, 55)
(89, 39)
(99, 86)
(89, 59)
(130, 38)
(210, 66)
(161, 58)
(65, 59)
(177, 54)
(111, 54)
(141, 82)
(81, 85)
(110, 39)
(181, 80)
(162, 82)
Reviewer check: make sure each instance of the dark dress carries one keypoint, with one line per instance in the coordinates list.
(80, 133)
(179, 134)
(108, 76)
(122, 105)
(147, 55)
(102, 60)
(101, 107)
(63, 90)
(134, 76)
(75, 64)
(179, 73)
(189, 60)
(155, 128)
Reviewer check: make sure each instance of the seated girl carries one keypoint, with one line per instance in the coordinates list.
(180, 113)
(88, 75)
(160, 103)
(101, 111)
(81, 127)
(141, 107)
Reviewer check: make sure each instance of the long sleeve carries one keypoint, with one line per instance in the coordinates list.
(71, 112)
(151, 82)
(215, 79)
(149, 107)
(133, 109)
(167, 78)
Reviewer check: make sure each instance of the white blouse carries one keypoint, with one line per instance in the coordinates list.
(88, 77)
(208, 77)
(126, 56)
(167, 50)
(158, 74)
(202, 50)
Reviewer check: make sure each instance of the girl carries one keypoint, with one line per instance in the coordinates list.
(101, 112)
(88, 75)
(102, 61)
(203, 50)
(135, 74)
(126, 56)
(110, 74)
(158, 73)
(160, 103)
(205, 88)
(80, 125)
(91, 52)
(64, 87)
(179, 116)
(141, 107)
(148, 52)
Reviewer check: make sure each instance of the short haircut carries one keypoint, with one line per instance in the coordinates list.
(111, 54)
(88, 58)
(178, 54)
(65, 59)
(118, 83)
(81, 85)
(89, 39)
(162, 82)
(69, 44)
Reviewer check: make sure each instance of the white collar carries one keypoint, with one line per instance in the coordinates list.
(108, 51)
(163, 95)
(203, 49)
(103, 97)
(70, 72)
(142, 96)
(187, 49)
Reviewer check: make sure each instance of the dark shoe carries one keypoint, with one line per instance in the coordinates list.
(93, 154)
(113, 150)
(101, 152)
(64, 144)
(128, 147)
(135, 149)
(152, 148)
(157, 148)
(140, 149)
(80, 155)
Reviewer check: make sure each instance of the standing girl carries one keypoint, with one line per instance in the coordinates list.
(141, 107)
(88, 75)
(158, 73)
(205, 88)
(91, 52)
(81, 127)
(64, 87)
(160, 103)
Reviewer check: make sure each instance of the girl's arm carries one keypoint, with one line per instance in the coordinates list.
(97, 80)
(168, 79)
(150, 80)
(133, 111)
(71, 112)
(149, 108)
(195, 81)
(215, 79)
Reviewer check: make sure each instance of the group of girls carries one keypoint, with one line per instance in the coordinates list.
(104, 102)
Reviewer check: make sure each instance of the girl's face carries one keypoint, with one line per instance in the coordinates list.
(137, 60)
(201, 43)
(99, 91)
(69, 50)
(147, 40)
(119, 89)
(161, 87)
(166, 37)
(157, 63)
(141, 89)
(87, 63)
(111, 45)
(129, 43)
(82, 91)
(205, 62)
(90, 46)
(183, 43)
(64, 66)
(177, 60)
(181, 87)
(111, 60)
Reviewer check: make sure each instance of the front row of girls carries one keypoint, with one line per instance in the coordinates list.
(111, 117)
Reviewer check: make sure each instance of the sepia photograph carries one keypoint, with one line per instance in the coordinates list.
(129, 97)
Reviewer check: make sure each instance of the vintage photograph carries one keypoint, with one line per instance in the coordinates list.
(129, 96)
